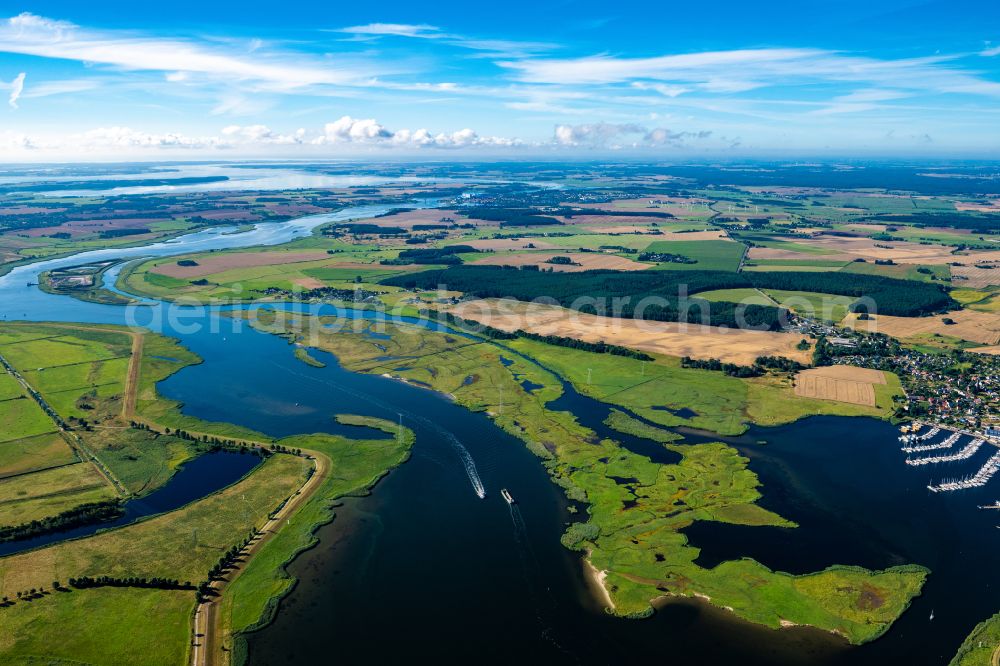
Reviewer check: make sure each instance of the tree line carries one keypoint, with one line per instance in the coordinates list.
(85, 514)
(760, 366)
(86, 582)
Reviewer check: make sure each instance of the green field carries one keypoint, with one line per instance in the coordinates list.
(50, 491)
(974, 299)
(747, 295)
(78, 371)
(805, 263)
(900, 271)
(716, 255)
(34, 453)
(9, 387)
(22, 417)
(81, 376)
(246, 283)
(783, 243)
(98, 626)
(813, 304)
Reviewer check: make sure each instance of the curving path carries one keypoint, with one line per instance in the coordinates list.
(208, 630)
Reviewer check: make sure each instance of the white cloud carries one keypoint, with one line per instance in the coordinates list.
(664, 137)
(351, 130)
(663, 88)
(15, 142)
(38, 36)
(608, 69)
(422, 30)
(262, 134)
(489, 47)
(625, 135)
(594, 134)
(990, 52)
(370, 132)
(742, 70)
(16, 87)
(60, 87)
(350, 133)
(127, 138)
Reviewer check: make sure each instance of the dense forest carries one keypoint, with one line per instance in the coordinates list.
(431, 255)
(646, 295)
(512, 217)
(977, 224)
(901, 298)
(620, 293)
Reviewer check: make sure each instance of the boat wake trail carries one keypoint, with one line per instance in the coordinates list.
(463, 453)
(470, 464)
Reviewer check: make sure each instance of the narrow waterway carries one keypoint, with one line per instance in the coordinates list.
(199, 477)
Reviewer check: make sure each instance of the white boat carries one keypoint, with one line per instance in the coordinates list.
(507, 496)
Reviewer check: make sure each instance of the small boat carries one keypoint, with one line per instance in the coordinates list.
(932, 615)
(507, 496)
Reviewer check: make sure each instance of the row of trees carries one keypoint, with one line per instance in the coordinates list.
(731, 369)
(156, 582)
(84, 514)
(760, 366)
(779, 363)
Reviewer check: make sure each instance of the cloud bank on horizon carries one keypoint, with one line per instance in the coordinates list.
(94, 88)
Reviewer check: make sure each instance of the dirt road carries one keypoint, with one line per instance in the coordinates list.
(208, 630)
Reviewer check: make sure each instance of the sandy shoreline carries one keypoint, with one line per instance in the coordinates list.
(596, 579)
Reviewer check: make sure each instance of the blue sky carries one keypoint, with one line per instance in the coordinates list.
(459, 79)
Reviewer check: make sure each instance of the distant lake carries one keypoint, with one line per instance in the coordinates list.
(220, 177)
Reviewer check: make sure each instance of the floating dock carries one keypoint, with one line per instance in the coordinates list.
(970, 450)
(977, 480)
(946, 444)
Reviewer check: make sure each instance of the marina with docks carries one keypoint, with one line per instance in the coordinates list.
(911, 433)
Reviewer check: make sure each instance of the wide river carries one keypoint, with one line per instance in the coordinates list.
(424, 568)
